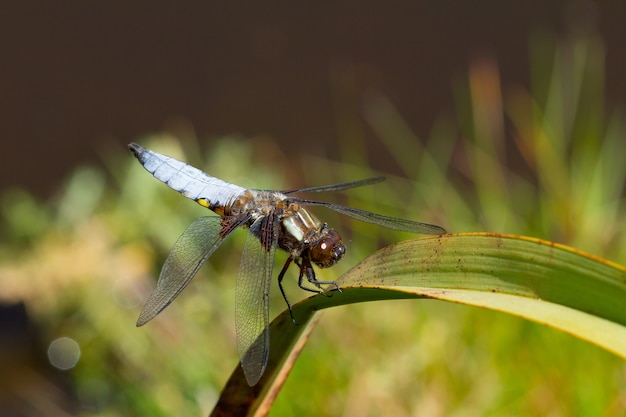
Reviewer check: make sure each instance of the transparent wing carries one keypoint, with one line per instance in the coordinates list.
(389, 222)
(190, 251)
(252, 297)
(337, 187)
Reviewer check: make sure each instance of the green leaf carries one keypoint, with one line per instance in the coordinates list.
(541, 281)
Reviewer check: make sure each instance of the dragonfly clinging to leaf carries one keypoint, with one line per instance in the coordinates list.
(275, 219)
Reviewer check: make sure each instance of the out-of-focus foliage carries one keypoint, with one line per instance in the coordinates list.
(85, 262)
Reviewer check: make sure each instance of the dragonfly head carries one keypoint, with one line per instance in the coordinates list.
(328, 249)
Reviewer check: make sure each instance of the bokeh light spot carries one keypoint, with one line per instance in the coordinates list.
(63, 353)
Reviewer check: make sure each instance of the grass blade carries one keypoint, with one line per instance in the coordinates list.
(542, 281)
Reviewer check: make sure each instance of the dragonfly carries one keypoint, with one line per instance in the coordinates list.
(274, 219)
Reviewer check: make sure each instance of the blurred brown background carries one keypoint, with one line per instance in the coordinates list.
(75, 74)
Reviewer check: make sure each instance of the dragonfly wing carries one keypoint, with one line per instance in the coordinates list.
(394, 223)
(252, 297)
(191, 250)
(336, 187)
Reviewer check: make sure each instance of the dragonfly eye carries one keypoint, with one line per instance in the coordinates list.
(328, 250)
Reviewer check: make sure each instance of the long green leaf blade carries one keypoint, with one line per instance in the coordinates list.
(542, 281)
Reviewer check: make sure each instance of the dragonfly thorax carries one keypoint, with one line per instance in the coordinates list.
(304, 236)
(301, 234)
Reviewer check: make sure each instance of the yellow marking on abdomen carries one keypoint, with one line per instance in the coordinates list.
(203, 202)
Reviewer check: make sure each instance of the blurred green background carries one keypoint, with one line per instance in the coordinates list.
(541, 156)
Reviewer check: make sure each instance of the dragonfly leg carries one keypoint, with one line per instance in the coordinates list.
(306, 269)
(282, 290)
